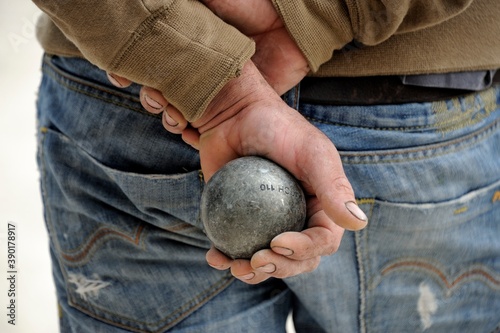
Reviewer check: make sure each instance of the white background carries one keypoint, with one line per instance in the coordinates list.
(20, 201)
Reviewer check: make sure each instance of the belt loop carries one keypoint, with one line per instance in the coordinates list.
(291, 97)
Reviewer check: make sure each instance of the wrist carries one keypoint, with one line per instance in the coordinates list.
(234, 97)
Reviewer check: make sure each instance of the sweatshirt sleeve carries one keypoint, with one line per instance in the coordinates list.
(176, 46)
(322, 26)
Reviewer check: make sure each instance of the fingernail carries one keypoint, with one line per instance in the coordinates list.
(356, 211)
(248, 276)
(152, 103)
(114, 81)
(269, 268)
(282, 250)
(169, 120)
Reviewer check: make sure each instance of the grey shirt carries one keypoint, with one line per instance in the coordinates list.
(474, 81)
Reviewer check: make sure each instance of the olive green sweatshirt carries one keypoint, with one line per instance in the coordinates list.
(184, 50)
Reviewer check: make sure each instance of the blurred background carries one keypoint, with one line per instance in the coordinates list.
(20, 200)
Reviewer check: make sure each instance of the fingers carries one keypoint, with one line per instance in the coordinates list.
(267, 263)
(294, 253)
(291, 253)
(263, 265)
(321, 238)
(240, 269)
(217, 260)
(153, 101)
(118, 81)
(243, 271)
(173, 120)
(326, 179)
(339, 203)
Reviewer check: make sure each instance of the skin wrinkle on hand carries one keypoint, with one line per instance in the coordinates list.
(275, 129)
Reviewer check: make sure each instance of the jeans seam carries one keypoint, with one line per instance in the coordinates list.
(100, 235)
(362, 281)
(444, 123)
(453, 146)
(395, 129)
(478, 271)
(359, 236)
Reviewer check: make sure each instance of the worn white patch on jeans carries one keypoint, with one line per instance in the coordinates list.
(85, 286)
(426, 305)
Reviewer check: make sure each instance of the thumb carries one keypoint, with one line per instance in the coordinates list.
(317, 163)
(338, 202)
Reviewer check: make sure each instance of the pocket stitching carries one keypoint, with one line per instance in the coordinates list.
(429, 151)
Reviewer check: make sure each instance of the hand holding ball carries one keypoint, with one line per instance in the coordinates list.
(247, 203)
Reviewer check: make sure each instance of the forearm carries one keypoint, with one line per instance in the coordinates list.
(322, 26)
(178, 47)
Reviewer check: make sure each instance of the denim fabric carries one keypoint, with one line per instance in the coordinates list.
(121, 198)
(428, 177)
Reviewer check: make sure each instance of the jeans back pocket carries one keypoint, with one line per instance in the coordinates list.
(129, 247)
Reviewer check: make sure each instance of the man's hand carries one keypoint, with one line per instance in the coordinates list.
(249, 118)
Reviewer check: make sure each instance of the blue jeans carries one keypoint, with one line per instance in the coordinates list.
(121, 198)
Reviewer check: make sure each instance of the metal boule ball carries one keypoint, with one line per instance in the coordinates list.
(248, 202)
